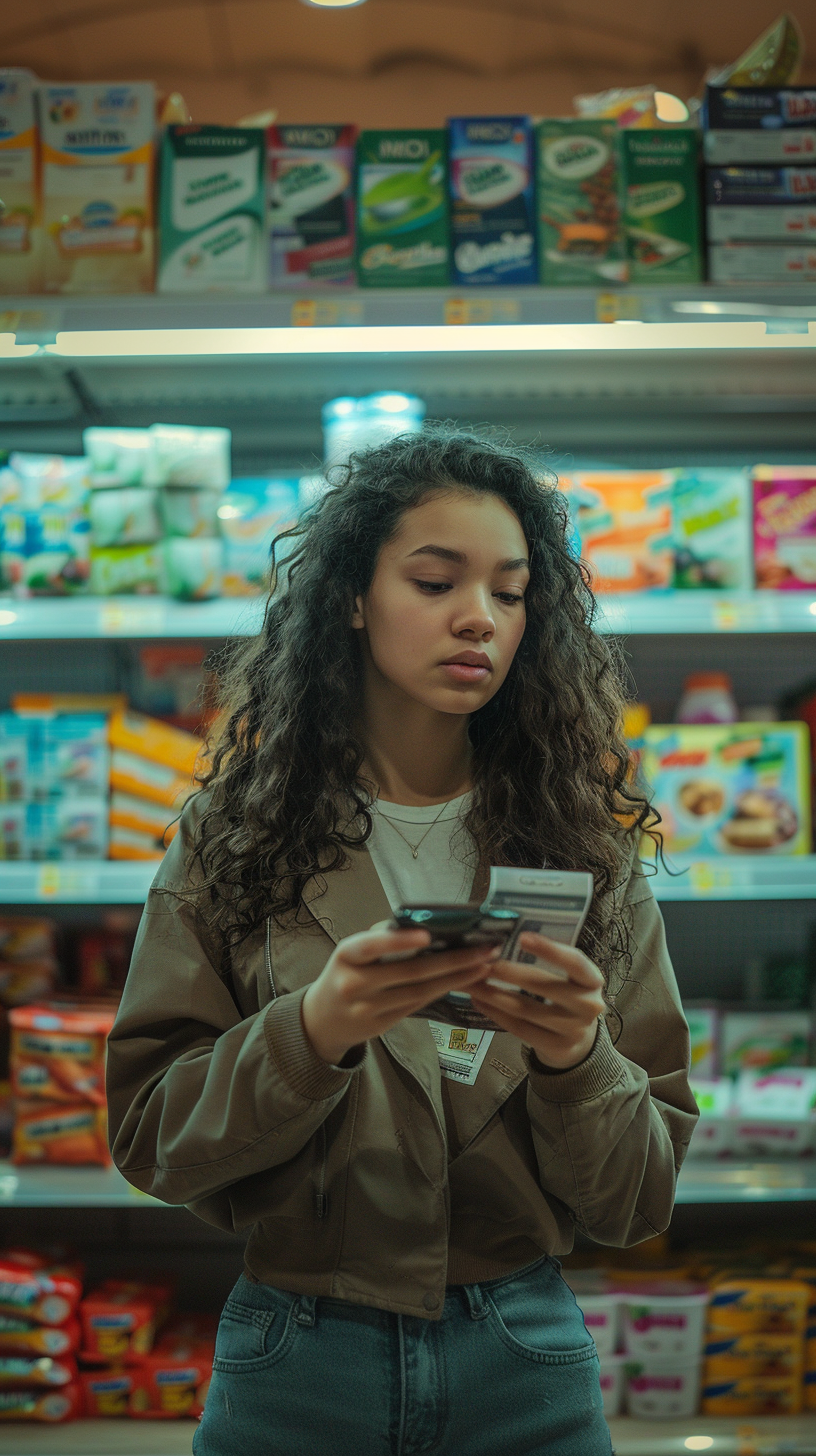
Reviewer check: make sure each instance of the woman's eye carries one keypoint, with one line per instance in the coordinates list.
(509, 597)
(433, 586)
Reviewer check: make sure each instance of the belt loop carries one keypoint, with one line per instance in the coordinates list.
(479, 1307)
(305, 1309)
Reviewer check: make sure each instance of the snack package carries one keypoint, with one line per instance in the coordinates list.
(492, 189)
(785, 526)
(134, 844)
(761, 204)
(579, 210)
(750, 1305)
(58, 1052)
(662, 222)
(144, 778)
(71, 827)
(737, 788)
(627, 106)
(253, 511)
(120, 1319)
(711, 523)
(402, 209)
(109, 1392)
(124, 516)
(46, 532)
(40, 1297)
(19, 1337)
(745, 1356)
(754, 1395)
(173, 1381)
(192, 569)
(212, 210)
(76, 758)
(117, 456)
(197, 455)
(624, 520)
(189, 511)
(152, 739)
(97, 146)
(21, 219)
(103, 954)
(35, 1372)
(60, 1133)
(762, 1041)
(311, 205)
(51, 1406)
(20, 773)
(143, 817)
(759, 124)
(123, 570)
(14, 842)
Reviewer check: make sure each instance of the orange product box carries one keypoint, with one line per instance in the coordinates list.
(58, 1051)
(120, 1319)
(624, 521)
(152, 739)
(39, 703)
(18, 1337)
(144, 778)
(38, 1296)
(753, 1396)
(743, 1306)
(62, 1133)
(173, 1381)
(51, 1406)
(37, 1371)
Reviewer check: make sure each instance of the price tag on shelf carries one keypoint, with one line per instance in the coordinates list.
(610, 307)
(482, 310)
(132, 618)
(68, 882)
(706, 878)
(326, 313)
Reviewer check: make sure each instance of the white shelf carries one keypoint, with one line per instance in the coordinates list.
(55, 1187)
(737, 877)
(76, 882)
(672, 613)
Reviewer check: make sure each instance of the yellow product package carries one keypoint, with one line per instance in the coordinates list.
(753, 1396)
(20, 217)
(152, 738)
(98, 159)
(738, 1357)
(743, 1306)
(624, 521)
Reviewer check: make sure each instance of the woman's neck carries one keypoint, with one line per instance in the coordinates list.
(415, 755)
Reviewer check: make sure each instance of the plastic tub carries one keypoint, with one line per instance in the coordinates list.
(662, 1390)
(602, 1319)
(612, 1380)
(664, 1321)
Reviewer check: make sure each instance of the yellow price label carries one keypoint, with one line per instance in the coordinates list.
(132, 619)
(482, 310)
(325, 313)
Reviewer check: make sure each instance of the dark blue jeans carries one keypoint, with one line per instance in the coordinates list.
(509, 1370)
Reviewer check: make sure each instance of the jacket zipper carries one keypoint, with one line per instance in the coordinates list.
(321, 1198)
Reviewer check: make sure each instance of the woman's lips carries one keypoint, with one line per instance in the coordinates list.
(465, 672)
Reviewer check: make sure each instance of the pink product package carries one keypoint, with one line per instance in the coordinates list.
(785, 527)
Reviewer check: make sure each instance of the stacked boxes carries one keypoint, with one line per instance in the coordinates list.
(58, 1082)
(44, 525)
(39, 1338)
(151, 774)
(139, 1360)
(755, 1346)
(21, 218)
(53, 786)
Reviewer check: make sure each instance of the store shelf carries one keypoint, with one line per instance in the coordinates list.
(70, 882)
(54, 1187)
(671, 613)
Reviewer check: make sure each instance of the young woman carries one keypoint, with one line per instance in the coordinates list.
(426, 698)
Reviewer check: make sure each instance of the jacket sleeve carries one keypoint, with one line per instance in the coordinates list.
(610, 1134)
(200, 1095)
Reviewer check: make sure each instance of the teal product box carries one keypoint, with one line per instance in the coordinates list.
(662, 212)
(212, 210)
(712, 525)
(311, 205)
(579, 206)
(492, 189)
(254, 511)
(403, 233)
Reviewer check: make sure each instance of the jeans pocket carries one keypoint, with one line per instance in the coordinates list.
(536, 1317)
(251, 1339)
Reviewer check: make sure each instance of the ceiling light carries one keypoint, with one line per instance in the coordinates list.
(670, 108)
(333, 4)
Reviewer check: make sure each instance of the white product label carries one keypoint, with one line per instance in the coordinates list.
(489, 181)
(225, 253)
(575, 157)
(470, 257)
(304, 183)
(205, 188)
(462, 1049)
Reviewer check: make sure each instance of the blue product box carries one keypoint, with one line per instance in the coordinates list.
(753, 107)
(492, 185)
(759, 186)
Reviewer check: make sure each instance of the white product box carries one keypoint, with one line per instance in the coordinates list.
(739, 224)
(760, 263)
(662, 1389)
(612, 1382)
(764, 1041)
(712, 1136)
(775, 145)
(21, 220)
(664, 1323)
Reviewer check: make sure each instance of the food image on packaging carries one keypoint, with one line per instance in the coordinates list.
(624, 521)
(402, 209)
(492, 186)
(759, 1041)
(97, 149)
(20, 219)
(46, 527)
(712, 528)
(311, 204)
(212, 209)
(579, 213)
(737, 788)
(662, 222)
(785, 526)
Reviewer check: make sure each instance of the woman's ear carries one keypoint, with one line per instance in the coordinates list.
(357, 616)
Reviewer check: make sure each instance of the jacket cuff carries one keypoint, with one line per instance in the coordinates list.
(596, 1074)
(295, 1057)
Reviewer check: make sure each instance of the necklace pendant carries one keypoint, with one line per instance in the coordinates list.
(414, 852)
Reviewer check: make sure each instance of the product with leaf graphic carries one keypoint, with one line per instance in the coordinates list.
(402, 209)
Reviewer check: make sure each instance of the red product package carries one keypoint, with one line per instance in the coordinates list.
(172, 1382)
(41, 1405)
(109, 1392)
(120, 1319)
(44, 1297)
(17, 1371)
(58, 1051)
(188, 1329)
(18, 1337)
(65, 1133)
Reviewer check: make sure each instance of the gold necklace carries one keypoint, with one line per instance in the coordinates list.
(414, 848)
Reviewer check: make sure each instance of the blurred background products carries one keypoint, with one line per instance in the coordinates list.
(311, 205)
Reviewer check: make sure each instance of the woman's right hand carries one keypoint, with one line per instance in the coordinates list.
(358, 995)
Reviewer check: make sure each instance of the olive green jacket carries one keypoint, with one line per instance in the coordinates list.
(381, 1182)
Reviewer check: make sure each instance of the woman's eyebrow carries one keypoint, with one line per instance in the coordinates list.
(448, 554)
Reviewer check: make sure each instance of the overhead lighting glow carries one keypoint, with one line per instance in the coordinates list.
(670, 108)
(10, 349)
(698, 1443)
(7, 618)
(333, 4)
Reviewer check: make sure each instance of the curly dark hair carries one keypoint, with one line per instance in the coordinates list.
(551, 772)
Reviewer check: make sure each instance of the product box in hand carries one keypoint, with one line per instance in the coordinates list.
(785, 526)
(736, 788)
(624, 522)
(253, 512)
(761, 204)
(311, 205)
(759, 124)
(711, 517)
(662, 214)
(492, 189)
(579, 204)
(98, 155)
(212, 210)
(403, 236)
(21, 219)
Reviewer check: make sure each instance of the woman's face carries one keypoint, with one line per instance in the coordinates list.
(448, 586)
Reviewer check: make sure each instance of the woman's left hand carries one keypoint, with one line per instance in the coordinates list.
(561, 1030)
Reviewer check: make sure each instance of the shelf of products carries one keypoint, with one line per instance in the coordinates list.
(67, 1187)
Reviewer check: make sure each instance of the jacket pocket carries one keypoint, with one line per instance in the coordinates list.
(536, 1317)
(253, 1339)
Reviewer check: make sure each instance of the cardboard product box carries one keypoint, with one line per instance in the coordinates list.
(759, 124)
(754, 1395)
(761, 263)
(579, 203)
(623, 519)
(743, 1356)
(212, 210)
(403, 230)
(492, 189)
(662, 214)
(785, 525)
(98, 157)
(21, 264)
(66, 1134)
(68, 828)
(712, 514)
(759, 148)
(311, 205)
(760, 204)
(732, 788)
(744, 1304)
(764, 1040)
(120, 1319)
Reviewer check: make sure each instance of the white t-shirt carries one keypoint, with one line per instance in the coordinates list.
(446, 859)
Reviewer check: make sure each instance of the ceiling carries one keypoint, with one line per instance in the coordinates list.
(388, 62)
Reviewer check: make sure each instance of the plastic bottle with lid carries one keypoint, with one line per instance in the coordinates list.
(707, 698)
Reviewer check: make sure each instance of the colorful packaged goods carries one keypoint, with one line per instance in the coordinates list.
(744, 1305)
(711, 523)
(117, 456)
(402, 209)
(51, 1406)
(120, 1319)
(58, 1078)
(662, 223)
(46, 1296)
(311, 205)
(174, 1379)
(66, 1134)
(746, 1356)
(21, 220)
(45, 525)
(35, 1372)
(761, 204)
(139, 828)
(760, 263)
(124, 515)
(785, 527)
(624, 521)
(754, 1395)
(731, 788)
(579, 211)
(109, 1392)
(212, 210)
(28, 962)
(253, 512)
(98, 154)
(125, 570)
(19, 1337)
(703, 1025)
(197, 455)
(493, 213)
(151, 759)
(759, 124)
(762, 1041)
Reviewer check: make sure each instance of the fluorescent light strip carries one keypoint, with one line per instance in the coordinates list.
(10, 349)
(420, 339)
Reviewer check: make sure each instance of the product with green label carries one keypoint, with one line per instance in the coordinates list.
(662, 206)
(402, 209)
(580, 237)
(212, 210)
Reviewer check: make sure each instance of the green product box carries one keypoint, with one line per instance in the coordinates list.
(212, 210)
(403, 233)
(579, 207)
(662, 214)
